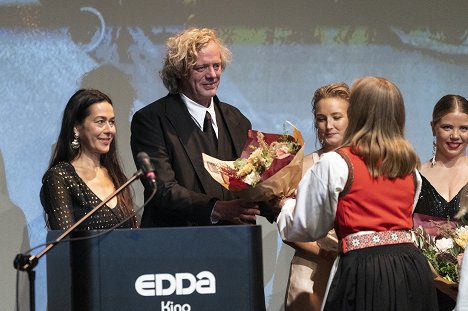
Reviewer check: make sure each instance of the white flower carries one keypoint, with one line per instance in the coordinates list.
(376, 239)
(462, 230)
(355, 242)
(252, 178)
(394, 236)
(444, 244)
(461, 236)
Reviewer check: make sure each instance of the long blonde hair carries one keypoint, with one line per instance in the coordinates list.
(375, 131)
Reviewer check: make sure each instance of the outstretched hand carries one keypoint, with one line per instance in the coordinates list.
(270, 209)
(238, 211)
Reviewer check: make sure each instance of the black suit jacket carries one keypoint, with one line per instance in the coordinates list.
(186, 192)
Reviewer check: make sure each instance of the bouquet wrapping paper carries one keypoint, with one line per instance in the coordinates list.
(443, 243)
(279, 179)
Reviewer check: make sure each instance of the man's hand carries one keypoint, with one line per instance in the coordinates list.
(238, 211)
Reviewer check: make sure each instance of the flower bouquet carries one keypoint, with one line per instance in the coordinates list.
(443, 247)
(270, 166)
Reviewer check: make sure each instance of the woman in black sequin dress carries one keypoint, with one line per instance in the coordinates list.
(446, 174)
(84, 168)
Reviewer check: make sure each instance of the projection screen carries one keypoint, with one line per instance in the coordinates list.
(282, 51)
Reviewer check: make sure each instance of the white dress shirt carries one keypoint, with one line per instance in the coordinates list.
(197, 112)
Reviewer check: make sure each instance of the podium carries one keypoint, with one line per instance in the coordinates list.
(167, 269)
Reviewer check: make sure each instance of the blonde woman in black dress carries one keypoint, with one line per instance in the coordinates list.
(445, 175)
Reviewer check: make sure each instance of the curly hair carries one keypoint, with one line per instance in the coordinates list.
(182, 53)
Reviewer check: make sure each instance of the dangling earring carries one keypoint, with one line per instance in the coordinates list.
(434, 151)
(321, 140)
(75, 144)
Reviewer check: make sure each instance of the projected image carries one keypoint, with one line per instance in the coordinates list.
(281, 51)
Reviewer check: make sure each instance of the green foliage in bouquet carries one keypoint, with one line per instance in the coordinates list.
(442, 252)
(263, 153)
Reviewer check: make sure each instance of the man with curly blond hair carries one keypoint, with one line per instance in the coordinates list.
(176, 129)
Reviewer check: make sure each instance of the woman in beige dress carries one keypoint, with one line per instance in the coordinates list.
(312, 261)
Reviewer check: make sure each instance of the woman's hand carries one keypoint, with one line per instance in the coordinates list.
(270, 209)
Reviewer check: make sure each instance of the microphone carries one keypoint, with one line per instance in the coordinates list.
(147, 167)
(27, 262)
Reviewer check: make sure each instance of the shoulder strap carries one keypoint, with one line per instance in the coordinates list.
(415, 180)
(349, 182)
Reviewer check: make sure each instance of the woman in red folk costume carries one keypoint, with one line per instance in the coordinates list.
(366, 190)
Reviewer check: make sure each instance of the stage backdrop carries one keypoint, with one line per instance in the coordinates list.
(282, 52)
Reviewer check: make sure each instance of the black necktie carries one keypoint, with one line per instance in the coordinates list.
(210, 133)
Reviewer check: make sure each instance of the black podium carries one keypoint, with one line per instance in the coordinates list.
(168, 269)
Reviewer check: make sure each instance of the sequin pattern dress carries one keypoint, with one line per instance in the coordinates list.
(433, 204)
(66, 199)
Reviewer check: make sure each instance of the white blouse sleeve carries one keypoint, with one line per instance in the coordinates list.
(417, 191)
(311, 215)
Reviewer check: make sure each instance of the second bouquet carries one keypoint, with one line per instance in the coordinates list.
(270, 166)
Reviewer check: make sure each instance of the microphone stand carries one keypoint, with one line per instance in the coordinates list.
(27, 262)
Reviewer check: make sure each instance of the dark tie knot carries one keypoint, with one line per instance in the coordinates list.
(210, 134)
(207, 126)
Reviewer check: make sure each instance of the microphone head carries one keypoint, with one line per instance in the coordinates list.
(144, 162)
(146, 166)
(142, 155)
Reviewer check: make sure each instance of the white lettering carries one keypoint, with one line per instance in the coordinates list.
(165, 284)
(167, 306)
(160, 290)
(144, 285)
(206, 283)
(192, 283)
(170, 306)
